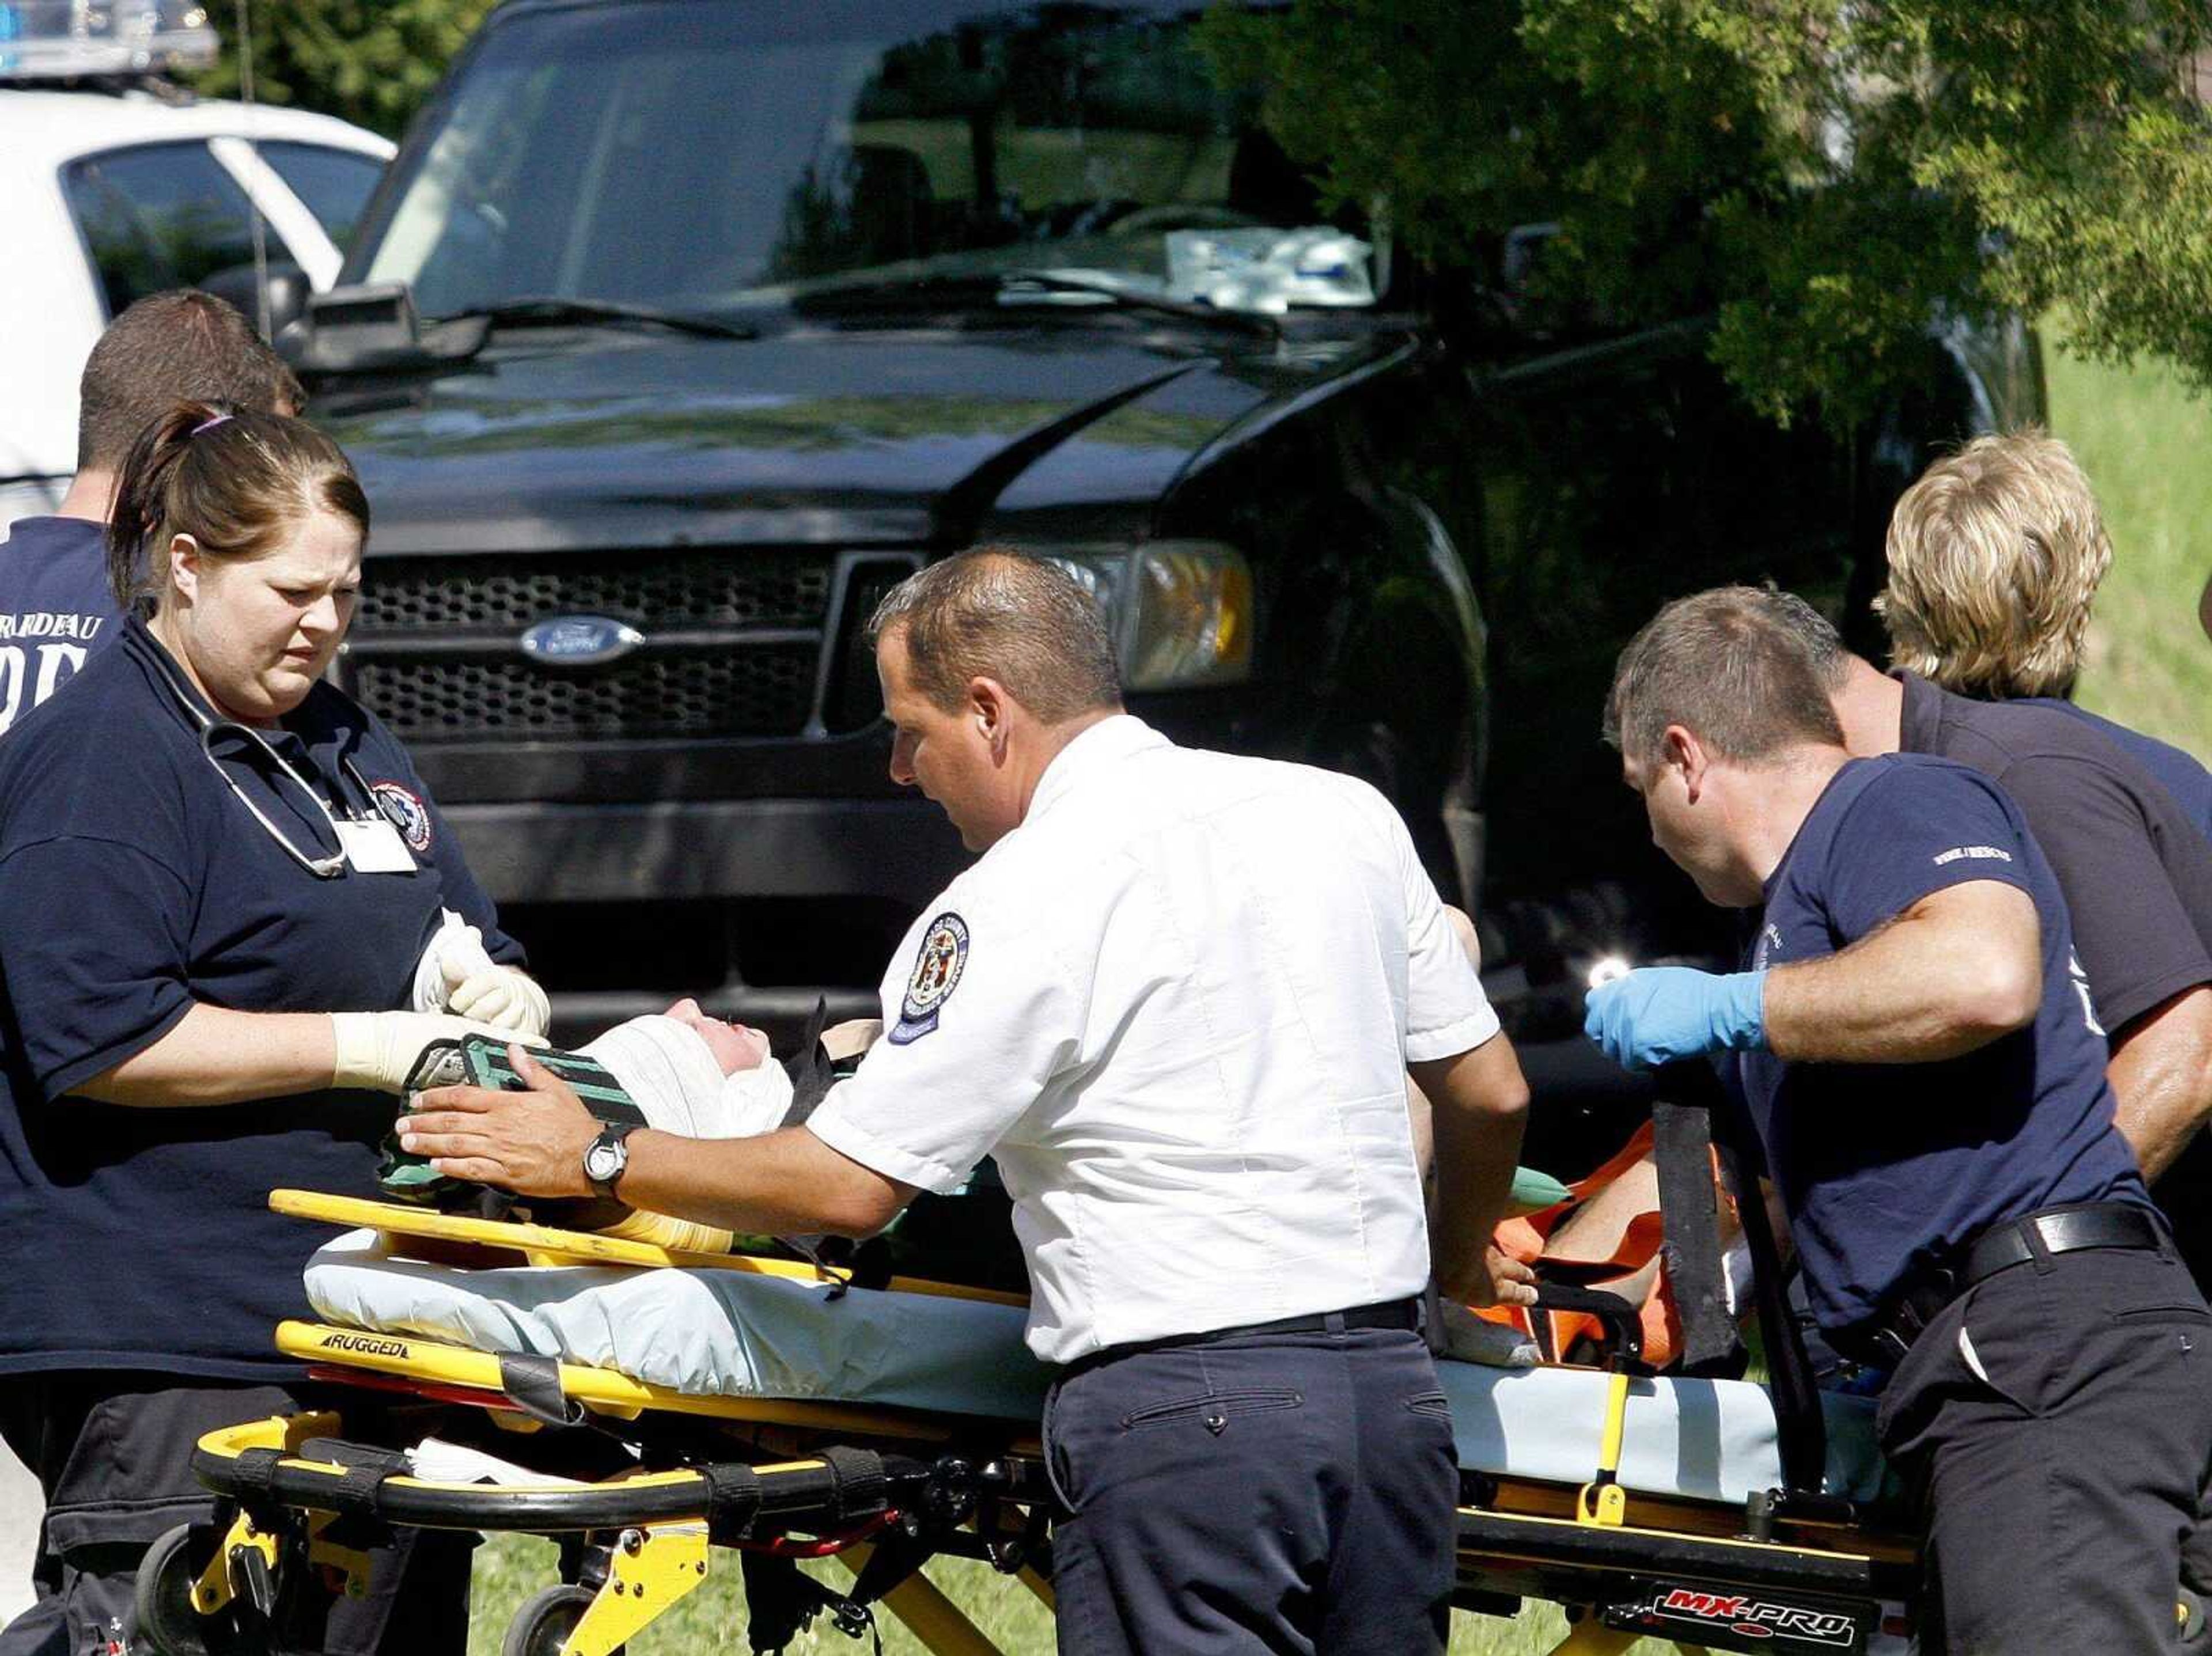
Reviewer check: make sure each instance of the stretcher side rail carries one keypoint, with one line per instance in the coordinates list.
(731, 1496)
(1552, 1545)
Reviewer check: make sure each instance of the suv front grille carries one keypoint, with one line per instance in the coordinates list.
(714, 588)
(735, 644)
(758, 690)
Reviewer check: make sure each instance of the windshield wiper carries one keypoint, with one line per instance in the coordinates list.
(557, 313)
(1000, 286)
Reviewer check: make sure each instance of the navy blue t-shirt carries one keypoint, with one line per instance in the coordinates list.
(1885, 1166)
(2178, 771)
(133, 884)
(55, 608)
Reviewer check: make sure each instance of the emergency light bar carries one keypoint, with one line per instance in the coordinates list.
(82, 40)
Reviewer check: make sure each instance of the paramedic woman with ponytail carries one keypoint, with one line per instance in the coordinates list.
(206, 852)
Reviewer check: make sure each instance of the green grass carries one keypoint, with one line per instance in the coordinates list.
(712, 1620)
(2144, 442)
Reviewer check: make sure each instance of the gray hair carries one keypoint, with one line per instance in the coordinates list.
(1742, 667)
(999, 613)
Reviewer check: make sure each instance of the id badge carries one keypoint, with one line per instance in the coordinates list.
(374, 847)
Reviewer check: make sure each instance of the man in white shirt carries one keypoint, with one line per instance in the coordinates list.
(1177, 998)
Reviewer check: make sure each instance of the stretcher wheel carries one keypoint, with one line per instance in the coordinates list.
(162, 1602)
(547, 1619)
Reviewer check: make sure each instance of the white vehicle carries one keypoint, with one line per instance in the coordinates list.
(120, 188)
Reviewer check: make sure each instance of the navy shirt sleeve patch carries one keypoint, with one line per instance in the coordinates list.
(937, 967)
(1935, 826)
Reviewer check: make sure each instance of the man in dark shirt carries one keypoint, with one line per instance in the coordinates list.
(56, 603)
(1927, 1079)
(2135, 870)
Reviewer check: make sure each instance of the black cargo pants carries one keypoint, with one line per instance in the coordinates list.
(2063, 1451)
(112, 1451)
(1279, 1493)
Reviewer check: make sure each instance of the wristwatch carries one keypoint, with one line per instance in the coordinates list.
(606, 1158)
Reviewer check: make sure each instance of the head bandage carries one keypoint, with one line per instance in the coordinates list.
(666, 1067)
(679, 1086)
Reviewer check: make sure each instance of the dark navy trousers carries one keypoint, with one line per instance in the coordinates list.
(112, 1452)
(1283, 1493)
(2064, 1462)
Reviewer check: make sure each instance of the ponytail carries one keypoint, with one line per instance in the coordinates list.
(237, 483)
(142, 494)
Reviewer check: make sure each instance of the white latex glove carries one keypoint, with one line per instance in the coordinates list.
(377, 1050)
(457, 975)
(497, 995)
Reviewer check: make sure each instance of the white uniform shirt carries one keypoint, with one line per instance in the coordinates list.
(1176, 1003)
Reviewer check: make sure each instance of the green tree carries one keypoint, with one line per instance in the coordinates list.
(1824, 177)
(371, 62)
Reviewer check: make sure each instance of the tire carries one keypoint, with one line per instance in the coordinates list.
(546, 1621)
(162, 1602)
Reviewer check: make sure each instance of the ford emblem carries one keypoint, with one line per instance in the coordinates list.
(579, 640)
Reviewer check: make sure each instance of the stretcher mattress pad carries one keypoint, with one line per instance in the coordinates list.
(729, 1333)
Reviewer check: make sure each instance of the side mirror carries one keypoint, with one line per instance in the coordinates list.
(288, 289)
(372, 328)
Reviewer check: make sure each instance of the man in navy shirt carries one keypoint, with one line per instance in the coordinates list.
(1923, 1064)
(2136, 870)
(56, 608)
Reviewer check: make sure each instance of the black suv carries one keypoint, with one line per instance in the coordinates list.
(681, 329)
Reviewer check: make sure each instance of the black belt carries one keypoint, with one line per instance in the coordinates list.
(1404, 1313)
(1882, 1341)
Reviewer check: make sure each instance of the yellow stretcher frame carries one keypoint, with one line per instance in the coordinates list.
(548, 1245)
(1519, 1539)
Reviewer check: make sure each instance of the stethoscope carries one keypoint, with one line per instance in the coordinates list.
(213, 730)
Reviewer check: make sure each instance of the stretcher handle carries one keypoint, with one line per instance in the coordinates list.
(1623, 1327)
(1800, 1425)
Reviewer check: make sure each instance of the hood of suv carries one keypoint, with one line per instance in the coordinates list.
(564, 438)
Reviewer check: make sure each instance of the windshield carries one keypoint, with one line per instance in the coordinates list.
(694, 155)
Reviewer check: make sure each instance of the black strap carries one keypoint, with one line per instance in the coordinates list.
(533, 1384)
(1800, 1425)
(1682, 1144)
(861, 1484)
(733, 1499)
(811, 1072)
(367, 1466)
(253, 1476)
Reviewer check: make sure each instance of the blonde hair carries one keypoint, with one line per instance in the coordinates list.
(1995, 555)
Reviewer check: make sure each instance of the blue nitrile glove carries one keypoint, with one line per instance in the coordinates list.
(1657, 1014)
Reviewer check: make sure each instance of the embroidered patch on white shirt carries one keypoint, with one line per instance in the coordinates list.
(937, 967)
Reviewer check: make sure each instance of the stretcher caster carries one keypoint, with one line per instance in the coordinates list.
(546, 1621)
(167, 1623)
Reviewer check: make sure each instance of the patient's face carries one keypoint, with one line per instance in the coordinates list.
(735, 1046)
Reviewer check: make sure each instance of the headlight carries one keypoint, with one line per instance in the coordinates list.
(1180, 612)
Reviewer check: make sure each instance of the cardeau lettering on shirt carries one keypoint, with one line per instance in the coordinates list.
(56, 610)
(1175, 1005)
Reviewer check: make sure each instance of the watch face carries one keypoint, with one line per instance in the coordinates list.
(603, 1161)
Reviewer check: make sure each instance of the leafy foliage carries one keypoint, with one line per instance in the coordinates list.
(371, 62)
(1825, 177)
